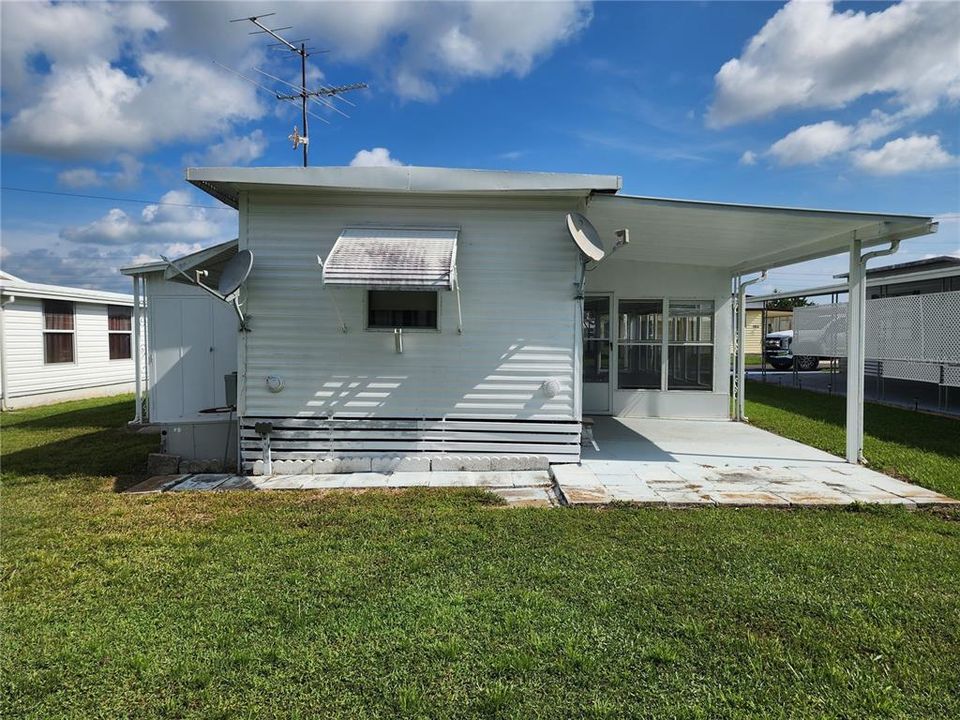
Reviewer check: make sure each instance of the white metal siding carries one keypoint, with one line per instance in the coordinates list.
(193, 344)
(516, 268)
(27, 375)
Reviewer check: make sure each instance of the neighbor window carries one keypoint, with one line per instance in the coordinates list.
(690, 353)
(640, 344)
(119, 329)
(57, 331)
(388, 309)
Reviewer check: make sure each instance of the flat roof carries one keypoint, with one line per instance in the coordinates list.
(934, 263)
(737, 237)
(224, 183)
(22, 288)
(741, 238)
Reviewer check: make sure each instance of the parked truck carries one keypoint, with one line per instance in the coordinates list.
(777, 352)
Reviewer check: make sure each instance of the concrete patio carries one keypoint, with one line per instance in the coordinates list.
(702, 462)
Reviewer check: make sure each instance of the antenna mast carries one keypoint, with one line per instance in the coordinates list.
(301, 91)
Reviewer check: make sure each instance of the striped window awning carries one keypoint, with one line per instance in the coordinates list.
(393, 258)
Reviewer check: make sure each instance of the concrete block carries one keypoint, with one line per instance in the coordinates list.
(341, 465)
(257, 467)
(293, 467)
(397, 463)
(195, 467)
(163, 464)
(461, 463)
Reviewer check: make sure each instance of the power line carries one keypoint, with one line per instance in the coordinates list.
(115, 199)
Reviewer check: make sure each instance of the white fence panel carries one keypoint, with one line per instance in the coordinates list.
(917, 328)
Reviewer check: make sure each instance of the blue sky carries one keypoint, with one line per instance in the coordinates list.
(849, 106)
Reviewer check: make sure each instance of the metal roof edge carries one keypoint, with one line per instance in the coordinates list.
(23, 288)
(194, 257)
(403, 179)
(715, 204)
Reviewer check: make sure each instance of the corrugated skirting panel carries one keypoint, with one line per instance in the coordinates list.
(318, 438)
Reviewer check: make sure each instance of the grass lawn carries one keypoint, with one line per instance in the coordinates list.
(918, 447)
(440, 604)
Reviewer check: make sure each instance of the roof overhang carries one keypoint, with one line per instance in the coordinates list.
(225, 184)
(24, 289)
(741, 238)
(211, 259)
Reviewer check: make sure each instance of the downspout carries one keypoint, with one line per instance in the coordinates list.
(138, 390)
(741, 342)
(9, 300)
(856, 344)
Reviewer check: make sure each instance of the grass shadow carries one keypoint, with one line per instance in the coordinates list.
(87, 437)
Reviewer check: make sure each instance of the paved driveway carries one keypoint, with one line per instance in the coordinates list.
(697, 462)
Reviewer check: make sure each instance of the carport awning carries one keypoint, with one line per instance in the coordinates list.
(741, 238)
(393, 258)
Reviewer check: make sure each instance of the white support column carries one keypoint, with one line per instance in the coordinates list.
(138, 390)
(856, 299)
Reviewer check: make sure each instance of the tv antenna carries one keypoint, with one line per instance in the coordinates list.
(322, 95)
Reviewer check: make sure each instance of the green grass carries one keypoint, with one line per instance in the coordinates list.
(919, 447)
(440, 604)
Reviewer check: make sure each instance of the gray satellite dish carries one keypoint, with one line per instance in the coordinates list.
(235, 273)
(585, 235)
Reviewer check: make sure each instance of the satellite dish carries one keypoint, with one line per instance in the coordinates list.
(235, 273)
(585, 235)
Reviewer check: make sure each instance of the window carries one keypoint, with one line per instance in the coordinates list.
(119, 327)
(57, 331)
(596, 339)
(640, 346)
(389, 309)
(690, 352)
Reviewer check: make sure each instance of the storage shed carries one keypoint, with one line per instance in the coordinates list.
(62, 343)
(410, 311)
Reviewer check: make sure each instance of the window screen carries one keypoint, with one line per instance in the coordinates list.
(57, 331)
(690, 351)
(389, 309)
(640, 336)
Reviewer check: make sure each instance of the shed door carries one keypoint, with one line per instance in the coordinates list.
(597, 344)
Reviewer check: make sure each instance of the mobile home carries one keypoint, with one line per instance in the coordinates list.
(62, 343)
(409, 311)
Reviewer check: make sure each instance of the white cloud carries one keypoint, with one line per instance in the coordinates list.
(233, 150)
(375, 157)
(86, 111)
(808, 55)
(160, 223)
(126, 175)
(917, 152)
(129, 77)
(80, 178)
(748, 158)
(812, 143)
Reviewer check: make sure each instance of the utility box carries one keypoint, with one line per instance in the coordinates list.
(230, 389)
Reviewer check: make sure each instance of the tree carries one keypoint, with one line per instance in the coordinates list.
(788, 303)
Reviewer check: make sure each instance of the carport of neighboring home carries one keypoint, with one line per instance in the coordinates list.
(666, 354)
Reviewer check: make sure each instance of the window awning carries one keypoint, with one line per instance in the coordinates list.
(393, 258)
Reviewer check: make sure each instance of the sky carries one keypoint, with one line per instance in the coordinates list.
(850, 106)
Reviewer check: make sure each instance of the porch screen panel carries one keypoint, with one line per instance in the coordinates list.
(690, 351)
(639, 344)
(596, 339)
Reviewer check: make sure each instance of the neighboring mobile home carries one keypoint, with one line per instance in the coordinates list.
(406, 310)
(62, 343)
